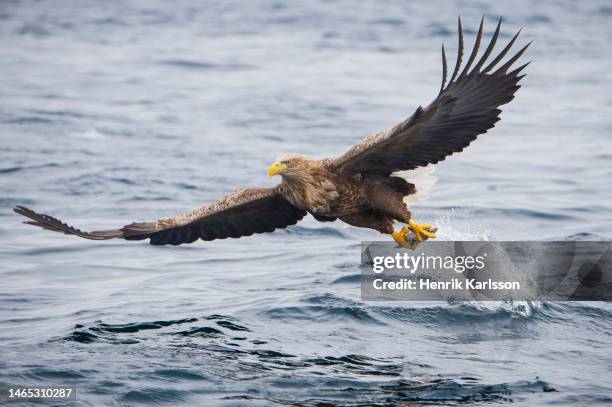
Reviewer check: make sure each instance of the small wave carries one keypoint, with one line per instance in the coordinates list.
(204, 331)
(271, 354)
(17, 168)
(8, 170)
(306, 231)
(322, 313)
(538, 18)
(33, 30)
(401, 391)
(177, 374)
(351, 364)
(123, 333)
(527, 213)
(124, 181)
(184, 185)
(358, 360)
(60, 113)
(351, 279)
(154, 396)
(57, 374)
(81, 336)
(71, 248)
(459, 314)
(585, 236)
(232, 326)
(395, 22)
(217, 348)
(351, 265)
(29, 120)
(138, 326)
(192, 64)
(139, 198)
(569, 310)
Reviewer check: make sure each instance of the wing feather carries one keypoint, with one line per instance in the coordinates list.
(459, 52)
(466, 107)
(444, 70)
(474, 51)
(243, 213)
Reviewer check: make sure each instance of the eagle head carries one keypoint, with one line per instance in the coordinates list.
(291, 166)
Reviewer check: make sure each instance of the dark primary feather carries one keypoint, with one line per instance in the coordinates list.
(243, 213)
(474, 51)
(444, 70)
(459, 52)
(50, 223)
(489, 48)
(466, 107)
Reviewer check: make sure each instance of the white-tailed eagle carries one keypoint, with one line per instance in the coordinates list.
(361, 187)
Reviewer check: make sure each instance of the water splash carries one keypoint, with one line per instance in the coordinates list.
(461, 225)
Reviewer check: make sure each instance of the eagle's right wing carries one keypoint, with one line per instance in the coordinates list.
(243, 213)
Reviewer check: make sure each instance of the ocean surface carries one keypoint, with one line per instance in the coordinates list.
(113, 112)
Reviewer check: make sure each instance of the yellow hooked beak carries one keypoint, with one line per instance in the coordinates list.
(276, 168)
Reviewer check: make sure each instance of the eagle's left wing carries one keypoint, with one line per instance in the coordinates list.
(243, 213)
(466, 107)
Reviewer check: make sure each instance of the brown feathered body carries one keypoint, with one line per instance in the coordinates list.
(362, 200)
(358, 187)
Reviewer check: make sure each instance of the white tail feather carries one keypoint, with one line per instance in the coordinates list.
(423, 179)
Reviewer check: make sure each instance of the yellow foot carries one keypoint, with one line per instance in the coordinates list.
(422, 232)
(409, 237)
(405, 238)
(400, 236)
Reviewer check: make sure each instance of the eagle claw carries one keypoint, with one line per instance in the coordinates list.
(409, 237)
(400, 237)
(422, 232)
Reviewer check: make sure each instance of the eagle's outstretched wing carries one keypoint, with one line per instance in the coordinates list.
(242, 213)
(466, 107)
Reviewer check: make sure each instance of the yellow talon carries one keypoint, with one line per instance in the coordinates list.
(400, 236)
(421, 231)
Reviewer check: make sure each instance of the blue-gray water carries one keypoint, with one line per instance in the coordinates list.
(112, 112)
